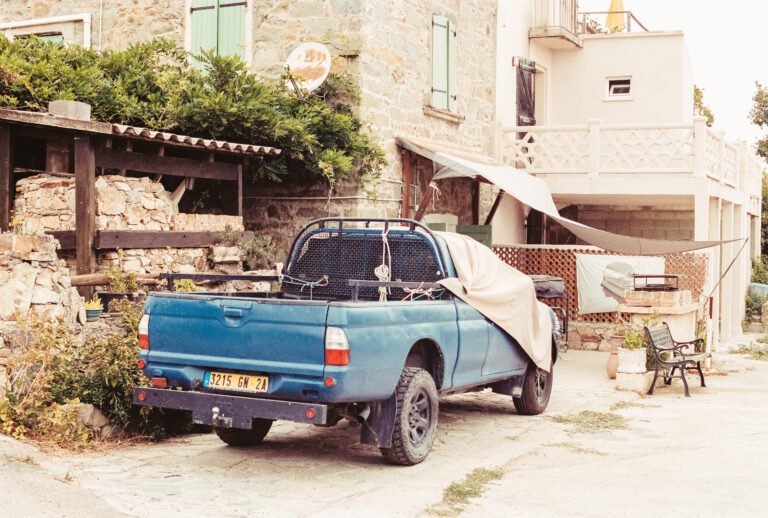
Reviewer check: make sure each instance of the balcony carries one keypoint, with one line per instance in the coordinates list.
(589, 23)
(555, 24)
(636, 160)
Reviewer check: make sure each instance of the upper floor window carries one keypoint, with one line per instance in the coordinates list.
(443, 63)
(55, 37)
(71, 28)
(620, 87)
(218, 25)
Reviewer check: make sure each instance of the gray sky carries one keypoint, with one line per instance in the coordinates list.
(728, 49)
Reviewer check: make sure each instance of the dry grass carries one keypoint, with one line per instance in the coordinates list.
(593, 422)
(755, 351)
(575, 448)
(458, 494)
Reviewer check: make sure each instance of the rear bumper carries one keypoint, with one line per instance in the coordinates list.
(230, 411)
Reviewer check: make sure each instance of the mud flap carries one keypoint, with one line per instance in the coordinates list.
(511, 387)
(377, 429)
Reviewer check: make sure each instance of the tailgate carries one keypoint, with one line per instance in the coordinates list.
(237, 334)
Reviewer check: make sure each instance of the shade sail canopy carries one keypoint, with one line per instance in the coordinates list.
(535, 193)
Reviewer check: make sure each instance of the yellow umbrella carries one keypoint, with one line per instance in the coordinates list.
(614, 22)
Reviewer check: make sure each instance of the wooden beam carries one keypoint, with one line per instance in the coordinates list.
(112, 239)
(426, 199)
(475, 202)
(6, 177)
(405, 157)
(173, 166)
(66, 238)
(102, 279)
(496, 203)
(85, 208)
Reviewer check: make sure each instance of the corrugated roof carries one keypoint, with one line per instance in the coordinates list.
(216, 145)
(134, 132)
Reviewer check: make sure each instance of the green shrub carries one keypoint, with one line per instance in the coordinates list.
(754, 305)
(53, 371)
(152, 84)
(760, 269)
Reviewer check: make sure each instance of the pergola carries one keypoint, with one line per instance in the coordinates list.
(85, 145)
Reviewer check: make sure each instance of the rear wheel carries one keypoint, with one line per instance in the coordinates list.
(537, 388)
(415, 418)
(241, 437)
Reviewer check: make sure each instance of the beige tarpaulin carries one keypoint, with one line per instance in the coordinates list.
(502, 294)
(535, 193)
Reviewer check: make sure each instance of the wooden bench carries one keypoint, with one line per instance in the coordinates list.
(669, 355)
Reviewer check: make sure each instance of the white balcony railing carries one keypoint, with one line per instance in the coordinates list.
(594, 149)
(555, 13)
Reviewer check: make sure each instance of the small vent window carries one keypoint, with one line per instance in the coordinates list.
(619, 87)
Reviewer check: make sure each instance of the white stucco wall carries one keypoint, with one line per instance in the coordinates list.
(658, 63)
(514, 20)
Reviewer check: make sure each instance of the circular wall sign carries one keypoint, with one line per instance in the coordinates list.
(308, 66)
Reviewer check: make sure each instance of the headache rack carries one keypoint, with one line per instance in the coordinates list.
(341, 259)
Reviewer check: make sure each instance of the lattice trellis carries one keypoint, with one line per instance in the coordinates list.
(561, 262)
(633, 149)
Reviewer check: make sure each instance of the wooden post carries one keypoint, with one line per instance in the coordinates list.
(475, 202)
(85, 209)
(405, 210)
(240, 190)
(6, 177)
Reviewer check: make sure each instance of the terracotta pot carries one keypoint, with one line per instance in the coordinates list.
(632, 361)
(612, 365)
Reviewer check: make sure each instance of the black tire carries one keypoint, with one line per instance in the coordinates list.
(537, 387)
(239, 437)
(415, 418)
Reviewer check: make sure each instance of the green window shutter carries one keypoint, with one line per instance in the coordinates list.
(440, 62)
(204, 25)
(451, 66)
(231, 28)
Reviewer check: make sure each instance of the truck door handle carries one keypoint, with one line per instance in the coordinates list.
(233, 313)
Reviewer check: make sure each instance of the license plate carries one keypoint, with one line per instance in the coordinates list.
(236, 382)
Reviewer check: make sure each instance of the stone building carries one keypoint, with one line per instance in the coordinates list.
(425, 69)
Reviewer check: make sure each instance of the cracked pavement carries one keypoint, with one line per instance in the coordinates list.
(689, 456)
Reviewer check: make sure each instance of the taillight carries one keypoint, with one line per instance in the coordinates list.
(144, 332)
(336, 347)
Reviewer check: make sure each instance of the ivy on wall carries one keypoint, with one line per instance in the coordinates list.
(153, 84)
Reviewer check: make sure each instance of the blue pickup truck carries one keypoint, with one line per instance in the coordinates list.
(361, 330)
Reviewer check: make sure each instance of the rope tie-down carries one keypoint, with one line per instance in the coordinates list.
(383, 272)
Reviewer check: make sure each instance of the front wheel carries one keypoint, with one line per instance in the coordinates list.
(537, 388)
(240, 437)
(415, 418)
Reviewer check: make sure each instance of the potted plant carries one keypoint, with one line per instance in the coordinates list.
(122, 285)
(633, 356)
(93, 309)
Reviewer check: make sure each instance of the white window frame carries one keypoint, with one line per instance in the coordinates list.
(248, 30)
(610, 96)
(51, 24)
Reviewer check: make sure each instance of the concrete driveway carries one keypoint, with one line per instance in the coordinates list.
(698, 456)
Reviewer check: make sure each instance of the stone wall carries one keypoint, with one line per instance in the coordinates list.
(384, 46)
(122, 22)
(34, 279)
(47, 202)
